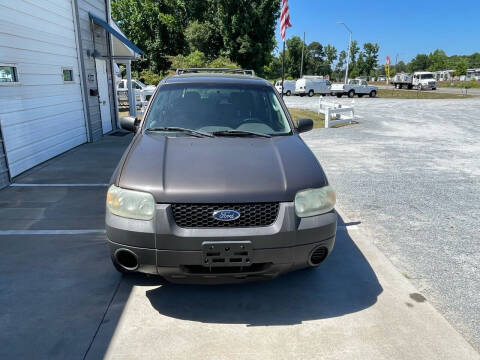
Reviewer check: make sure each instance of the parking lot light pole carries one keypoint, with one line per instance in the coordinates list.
(349, 47)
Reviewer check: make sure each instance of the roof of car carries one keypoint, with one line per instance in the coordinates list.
(216, 78)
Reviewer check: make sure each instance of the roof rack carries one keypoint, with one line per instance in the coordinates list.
(219, 70)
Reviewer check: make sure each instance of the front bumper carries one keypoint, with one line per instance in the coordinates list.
(178, 254)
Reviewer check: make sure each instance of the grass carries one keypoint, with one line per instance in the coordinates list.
(412, 94)
(459, 84)
(318, 119)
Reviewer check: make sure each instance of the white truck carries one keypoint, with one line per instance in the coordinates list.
(311, 85)
(288, 87)
(420, 80)
(142, 92)
(354, 87)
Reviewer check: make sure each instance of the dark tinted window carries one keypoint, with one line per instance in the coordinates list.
(216, 107)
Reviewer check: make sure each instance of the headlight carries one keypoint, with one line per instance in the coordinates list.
(313, 202)
(130, 204)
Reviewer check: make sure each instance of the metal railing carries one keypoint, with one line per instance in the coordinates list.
(214, 70)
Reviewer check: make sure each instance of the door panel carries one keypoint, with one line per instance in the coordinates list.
(103, 98)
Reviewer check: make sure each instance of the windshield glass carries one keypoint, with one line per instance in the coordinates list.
(218, 107)
(426, 76)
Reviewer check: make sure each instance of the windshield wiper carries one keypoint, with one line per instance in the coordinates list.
(180, 129)
(239, 133)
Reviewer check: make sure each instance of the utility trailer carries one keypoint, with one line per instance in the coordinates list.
(402, 80)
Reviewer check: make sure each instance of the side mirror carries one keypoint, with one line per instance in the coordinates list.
(129, 123)
(304, 125)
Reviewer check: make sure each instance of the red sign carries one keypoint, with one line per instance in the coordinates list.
(387, 62)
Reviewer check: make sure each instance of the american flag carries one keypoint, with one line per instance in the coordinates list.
(284, 19)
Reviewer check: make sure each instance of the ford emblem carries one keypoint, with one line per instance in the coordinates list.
(226, 215)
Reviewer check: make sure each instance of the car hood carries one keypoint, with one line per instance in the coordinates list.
(220, 169)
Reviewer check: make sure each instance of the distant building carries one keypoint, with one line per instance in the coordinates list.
(444, 75)
(473, 74)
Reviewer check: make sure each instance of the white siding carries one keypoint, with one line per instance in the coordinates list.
(42, 116)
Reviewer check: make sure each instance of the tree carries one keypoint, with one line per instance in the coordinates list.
(248, 29)
(194, 59)
(418, 63)
(314, 57)
(437, 60)
(331, 54)
(157, 27)
(371, 57)
(293, 56)
(400, 67)
(354, 49)
(461, 67)
(204, 37)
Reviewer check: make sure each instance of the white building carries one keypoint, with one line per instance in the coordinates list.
(444, 75)
(56, 84)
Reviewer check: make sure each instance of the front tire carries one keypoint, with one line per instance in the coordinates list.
(372, 94)
(351, 94)
(288, 93)
(310, 93)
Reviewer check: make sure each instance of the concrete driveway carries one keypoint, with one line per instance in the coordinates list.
(60, 297)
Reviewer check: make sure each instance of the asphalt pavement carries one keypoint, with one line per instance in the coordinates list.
(409, 171)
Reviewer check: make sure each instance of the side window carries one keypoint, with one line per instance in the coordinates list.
(8, 74)
(67, 74)
(364, 83)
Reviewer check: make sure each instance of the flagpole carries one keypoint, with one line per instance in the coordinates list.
(283, 65)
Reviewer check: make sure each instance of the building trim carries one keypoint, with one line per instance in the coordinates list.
(83, 79)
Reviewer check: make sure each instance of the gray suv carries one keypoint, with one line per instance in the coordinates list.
(217, 185)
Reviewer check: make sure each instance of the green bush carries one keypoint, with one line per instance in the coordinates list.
(150, 78)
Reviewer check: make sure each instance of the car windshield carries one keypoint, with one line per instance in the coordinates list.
(426, 76)
(218, 107)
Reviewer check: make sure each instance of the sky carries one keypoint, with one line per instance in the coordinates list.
(404, 28)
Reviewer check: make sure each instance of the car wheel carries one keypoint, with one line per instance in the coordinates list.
(351, 94)
(310, 93)
(288, 93)
(339, 95)
(400, 86)
(420, 87)
(372, 94)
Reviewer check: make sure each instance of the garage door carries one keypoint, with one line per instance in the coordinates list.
(41, 108)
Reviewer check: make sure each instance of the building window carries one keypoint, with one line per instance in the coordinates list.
(8, 74)
(67, 74)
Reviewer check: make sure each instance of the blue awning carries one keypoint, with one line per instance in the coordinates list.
(115, 33)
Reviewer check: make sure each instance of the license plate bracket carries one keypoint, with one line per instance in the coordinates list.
(226, 253)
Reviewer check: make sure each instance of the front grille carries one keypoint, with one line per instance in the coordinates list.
(201, 215)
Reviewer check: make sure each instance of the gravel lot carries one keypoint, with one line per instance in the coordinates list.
(409, 172)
